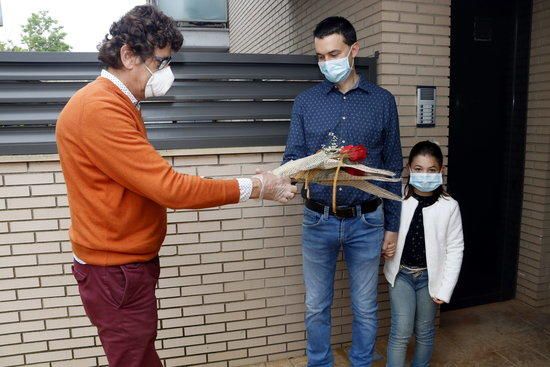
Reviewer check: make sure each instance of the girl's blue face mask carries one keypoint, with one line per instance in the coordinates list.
(426, 182)
(336, 70)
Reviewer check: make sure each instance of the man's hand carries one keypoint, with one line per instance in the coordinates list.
(273, 187)
(390, 244)
(438, 301)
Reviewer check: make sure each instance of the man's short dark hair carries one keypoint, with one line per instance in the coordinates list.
(143, 28)
(336, 25)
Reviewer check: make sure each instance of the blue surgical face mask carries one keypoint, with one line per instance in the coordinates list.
(336, 70)
(426, 182)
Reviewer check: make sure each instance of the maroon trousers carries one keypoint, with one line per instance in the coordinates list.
(120, 301)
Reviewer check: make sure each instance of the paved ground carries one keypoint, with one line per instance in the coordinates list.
(500, 334)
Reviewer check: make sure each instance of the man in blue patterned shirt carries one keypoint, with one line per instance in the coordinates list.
(355, 111)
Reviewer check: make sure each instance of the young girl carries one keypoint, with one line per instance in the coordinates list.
(424, 270)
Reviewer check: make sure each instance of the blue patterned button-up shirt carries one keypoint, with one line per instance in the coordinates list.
(364, 115)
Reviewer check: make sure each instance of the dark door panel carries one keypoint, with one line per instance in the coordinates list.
(489, 69)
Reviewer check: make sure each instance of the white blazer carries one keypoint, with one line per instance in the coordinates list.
(444, 245)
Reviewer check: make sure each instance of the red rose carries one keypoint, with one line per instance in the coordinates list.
(354, 153)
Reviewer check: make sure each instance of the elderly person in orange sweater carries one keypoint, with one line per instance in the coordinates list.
(119, 187)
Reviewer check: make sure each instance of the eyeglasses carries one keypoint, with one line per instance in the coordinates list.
(163, 61)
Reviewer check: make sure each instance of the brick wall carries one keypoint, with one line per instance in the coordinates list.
(534, 259)
(230, 291)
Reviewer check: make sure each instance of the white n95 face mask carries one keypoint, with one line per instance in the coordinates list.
(160, 82)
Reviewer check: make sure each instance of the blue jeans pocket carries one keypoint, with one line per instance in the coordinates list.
(375, 218)
(311, 218)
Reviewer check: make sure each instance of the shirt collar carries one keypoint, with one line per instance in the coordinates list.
(425, 201)
(116, 81)
(362, 83)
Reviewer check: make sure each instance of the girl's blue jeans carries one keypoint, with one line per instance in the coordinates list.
(412, 311)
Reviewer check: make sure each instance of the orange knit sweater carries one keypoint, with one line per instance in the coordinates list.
(118, 185)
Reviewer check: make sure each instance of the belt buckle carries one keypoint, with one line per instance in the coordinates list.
(345, 208)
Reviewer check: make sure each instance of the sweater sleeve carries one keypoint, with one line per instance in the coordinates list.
(113, 143)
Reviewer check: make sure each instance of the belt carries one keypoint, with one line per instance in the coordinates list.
(415, 272)
(344, 211)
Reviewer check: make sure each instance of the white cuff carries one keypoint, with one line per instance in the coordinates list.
(245, 187)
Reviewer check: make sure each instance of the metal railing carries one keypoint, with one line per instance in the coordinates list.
(218, 100)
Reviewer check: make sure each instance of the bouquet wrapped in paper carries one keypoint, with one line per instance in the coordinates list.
(339, 166)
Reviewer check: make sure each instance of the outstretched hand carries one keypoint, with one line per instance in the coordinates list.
(274, 187)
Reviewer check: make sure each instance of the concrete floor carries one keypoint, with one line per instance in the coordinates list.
(499, 334)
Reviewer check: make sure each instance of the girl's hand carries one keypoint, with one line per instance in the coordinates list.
(438, 301)
(390, 244)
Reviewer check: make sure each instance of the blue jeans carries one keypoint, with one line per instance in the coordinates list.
(412, 309)
(361, 238)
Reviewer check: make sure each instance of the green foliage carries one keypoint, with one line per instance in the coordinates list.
(9, 46)
(41, 33)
